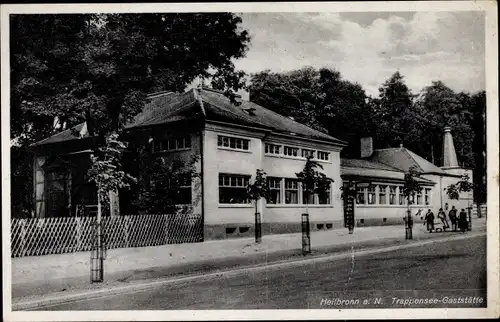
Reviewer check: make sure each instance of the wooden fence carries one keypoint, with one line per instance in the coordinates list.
(42, 236)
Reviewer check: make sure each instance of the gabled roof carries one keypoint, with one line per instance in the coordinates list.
(403, 159)
(210, 105)
(74, 133)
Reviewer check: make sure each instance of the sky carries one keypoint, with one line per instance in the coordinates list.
(369, 47)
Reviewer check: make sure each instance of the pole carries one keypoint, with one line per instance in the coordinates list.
(99, 238)
(258, 228)
(306, 235)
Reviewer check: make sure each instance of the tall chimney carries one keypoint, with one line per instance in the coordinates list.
(449, 154)
(366, 147)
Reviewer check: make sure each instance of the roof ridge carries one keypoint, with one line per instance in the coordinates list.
(198, 97)
(57, 134)
(413, 159)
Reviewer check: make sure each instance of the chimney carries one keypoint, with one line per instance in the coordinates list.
(366, 147)
(449, 154)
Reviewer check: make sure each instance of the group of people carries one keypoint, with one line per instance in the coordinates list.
(457, 222)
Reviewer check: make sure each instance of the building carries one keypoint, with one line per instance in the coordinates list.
(231, 143)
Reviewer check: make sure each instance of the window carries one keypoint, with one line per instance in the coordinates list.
(233, 143)
(325, 156)
(273, 149)
(382, 195)
(427, 196)
(310, 198)
(360, 196)
(291, 191)
(274, 190)
(371, 195)
(419, 197)
(233, 189)
(324, 198)
(307, 152)
(401, 195)
(172, 144)
(289, 151)
(392, 195)
(412, 198)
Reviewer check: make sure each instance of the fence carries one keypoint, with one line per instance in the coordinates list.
(43, 236)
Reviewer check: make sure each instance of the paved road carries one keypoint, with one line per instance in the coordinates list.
(446, 271)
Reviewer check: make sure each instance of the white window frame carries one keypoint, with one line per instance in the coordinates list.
(245, 179)
(325, 156)
(289, 149)
(372, 190)
(298, 190)
(382, 191)
(279, 189)
(272, 149)
(310, 151)
(239, 143)
(393, 192)
(427, 197)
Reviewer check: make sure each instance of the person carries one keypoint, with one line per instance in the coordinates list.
(442, 216)
(462, 221)
(453, 218)
(429, 220)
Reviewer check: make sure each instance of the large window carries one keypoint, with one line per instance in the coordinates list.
(233, 143)
(273, 148)
(310, 199)
(360, 196)
(233, 189)
(172, 144)
(291, 191)
(324, 198)
(371, 195)
(291, 152)
(392, 195)
(382, 195)
(401, 195)
(325, 156)
(274, 190)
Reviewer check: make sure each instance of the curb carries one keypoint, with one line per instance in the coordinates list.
(141, 285)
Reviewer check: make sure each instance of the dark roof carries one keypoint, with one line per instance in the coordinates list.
(62, 136)
(211, 105)
(367, 164)
(367, 169)
(403, 159)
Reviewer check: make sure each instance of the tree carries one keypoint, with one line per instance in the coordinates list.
(98, 68)
(393, 113)
(320, 99)
(411, 187)
(463, 185)
(255, 191)
(313, 181)
(160, 181)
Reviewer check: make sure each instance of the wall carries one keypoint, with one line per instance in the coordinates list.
(234, 220)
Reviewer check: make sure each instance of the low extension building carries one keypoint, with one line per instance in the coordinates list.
(230, 142)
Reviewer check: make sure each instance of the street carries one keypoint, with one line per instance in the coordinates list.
(450, 273)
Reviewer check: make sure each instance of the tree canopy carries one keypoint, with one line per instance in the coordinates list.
(99, 68)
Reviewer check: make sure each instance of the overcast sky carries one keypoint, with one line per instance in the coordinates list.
(369, 47)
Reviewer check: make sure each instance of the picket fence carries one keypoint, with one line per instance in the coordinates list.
(43, 236)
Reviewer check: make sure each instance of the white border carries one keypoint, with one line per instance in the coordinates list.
(490, 7)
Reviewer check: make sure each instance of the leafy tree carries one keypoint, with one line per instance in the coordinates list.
(255, 191)
(440, 106)
(158, 188)
(393, 113)
(463, 185)
(99, 68)
(410, 188)
(313, 181)
(320, 99)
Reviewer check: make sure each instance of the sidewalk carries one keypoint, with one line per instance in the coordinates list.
(42, 275)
